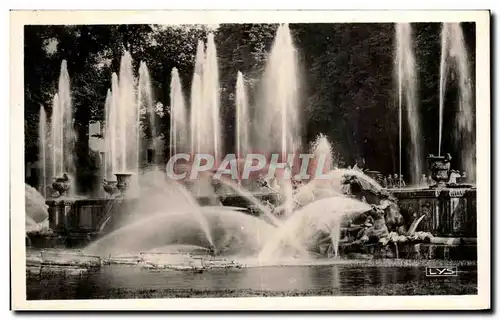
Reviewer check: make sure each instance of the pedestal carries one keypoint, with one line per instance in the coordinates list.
(59, 214)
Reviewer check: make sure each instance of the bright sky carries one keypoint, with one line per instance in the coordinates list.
(51, 46)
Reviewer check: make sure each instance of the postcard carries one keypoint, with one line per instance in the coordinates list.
(250, 160)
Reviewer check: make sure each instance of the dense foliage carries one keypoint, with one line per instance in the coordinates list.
(348, 87)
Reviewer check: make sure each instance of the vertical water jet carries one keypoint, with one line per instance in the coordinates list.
(178, 121)
(196, 108)
(113, 124)
(242, 118)
(455, 60)
(124, 121)
(42, 145)
(62, 131)
(55, 137)
(442, 80)
(323, 155)
(211, 97)
(108, 136)
(128, 118)
(147, 116)
(407, 95)
(205, 102)
(277, 111)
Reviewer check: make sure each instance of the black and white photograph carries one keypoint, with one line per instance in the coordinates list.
(307, 156)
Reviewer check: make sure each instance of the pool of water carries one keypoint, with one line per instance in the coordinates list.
(343, 278)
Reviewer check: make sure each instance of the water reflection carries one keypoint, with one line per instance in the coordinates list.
(320, 279)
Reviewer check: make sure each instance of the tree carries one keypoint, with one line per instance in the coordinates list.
(347, 77)
(350, 85)
(244, 48)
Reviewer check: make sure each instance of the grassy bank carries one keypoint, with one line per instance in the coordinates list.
(412, 288)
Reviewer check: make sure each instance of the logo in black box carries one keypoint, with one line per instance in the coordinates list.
(441, 271)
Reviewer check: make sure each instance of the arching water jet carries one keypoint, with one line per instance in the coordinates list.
(322, 216)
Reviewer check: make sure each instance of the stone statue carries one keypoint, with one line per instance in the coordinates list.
(393, 217)
(385, 182)
(390, 182)
(396, 181)
(423, 180)
(402, 182)
(430, 182)
(375, 226)
(453, 177)
(384, 217)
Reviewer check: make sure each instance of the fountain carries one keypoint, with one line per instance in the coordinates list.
(228, 230)
(448, 209)
(322, 216)
(443, 208)
(323, 156)
(128, 134)
(57, 155)
(76, 218)
(335, 208)
(156, 193)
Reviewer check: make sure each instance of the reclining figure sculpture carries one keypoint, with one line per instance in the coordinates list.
(384, 217)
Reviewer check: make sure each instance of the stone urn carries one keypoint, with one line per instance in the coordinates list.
(440, 169)
(123, 181)
(110, 187)
(60, 186)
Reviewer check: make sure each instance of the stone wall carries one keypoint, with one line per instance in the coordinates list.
(89, 215)
(449, 212)
(79, 216)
